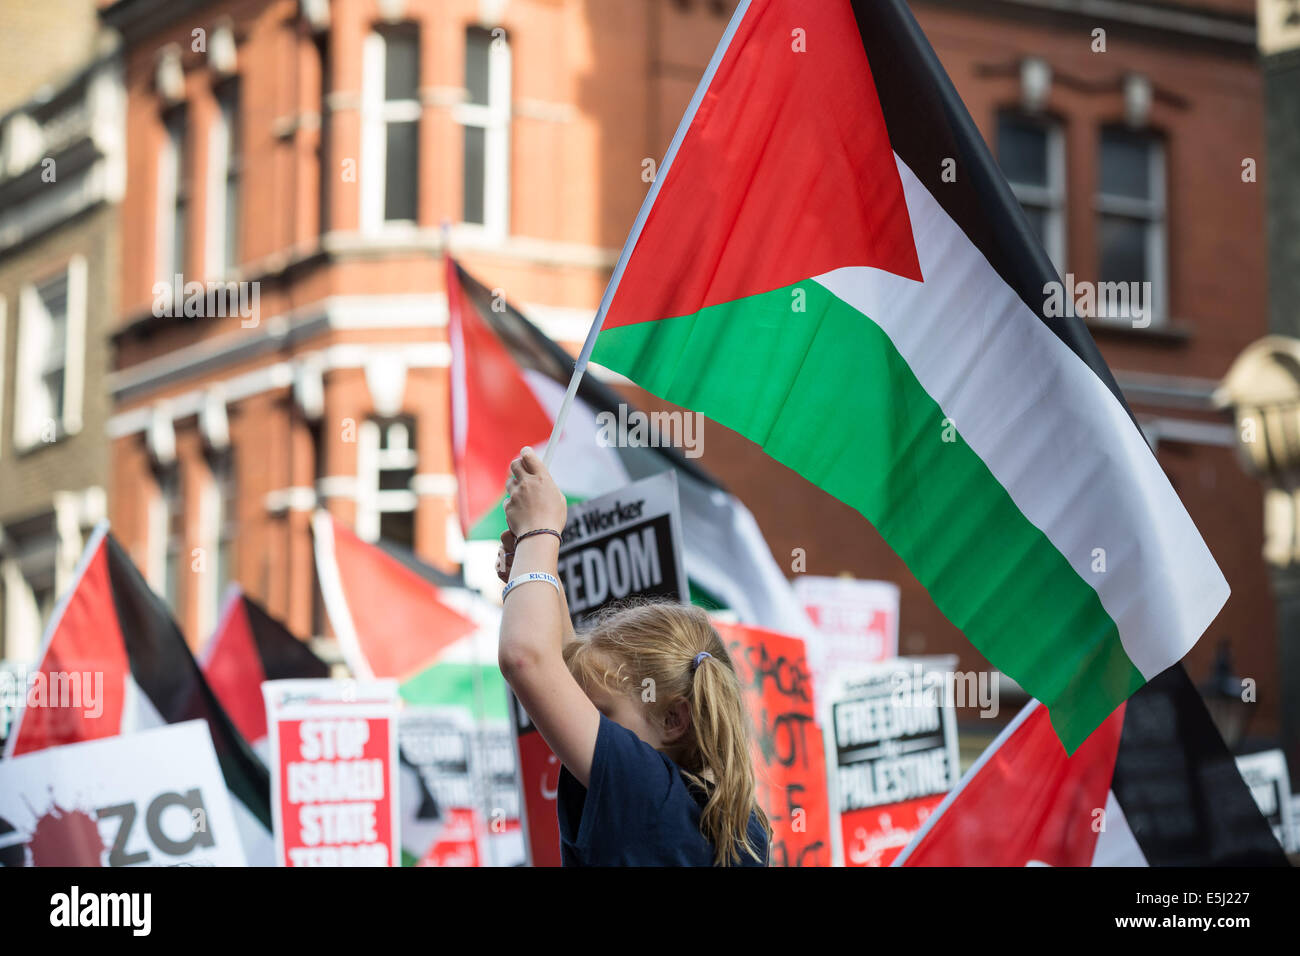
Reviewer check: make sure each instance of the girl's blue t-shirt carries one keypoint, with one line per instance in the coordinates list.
(637, 811)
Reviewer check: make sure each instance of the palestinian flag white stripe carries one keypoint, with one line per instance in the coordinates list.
(1011, 388)
(1116, 845)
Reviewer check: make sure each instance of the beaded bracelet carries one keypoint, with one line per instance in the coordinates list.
(529, 534)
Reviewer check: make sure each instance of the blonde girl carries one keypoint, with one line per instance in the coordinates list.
(643, 709)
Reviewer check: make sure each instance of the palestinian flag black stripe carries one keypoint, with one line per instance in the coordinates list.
(1182, 794)
(283, 656)
(928, 122)
(164, 668)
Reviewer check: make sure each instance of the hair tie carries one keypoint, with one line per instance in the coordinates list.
(699, 657)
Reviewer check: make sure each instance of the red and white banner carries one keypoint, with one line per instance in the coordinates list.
(334, 772)
(856, 622)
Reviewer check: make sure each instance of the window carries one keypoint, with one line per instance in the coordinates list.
(220, 523)
(173, 197)
(223, 480)
(30, 578)
(386, 461)
(167, 535)
(224, 175)
(485, 116)
(323, 142)
(1131, 221)
(391, 104)
(51, 353)
(1032, 156)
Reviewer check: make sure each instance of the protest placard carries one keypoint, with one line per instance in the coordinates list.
(855, 622)
(1266, 774)
(459, 795)
(623, 546)
(891, 747)
(789, 755)
(153, 798)
(334, 767)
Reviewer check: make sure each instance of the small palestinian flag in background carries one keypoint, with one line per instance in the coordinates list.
(804, 273)
(1154, 785)
(396, 616)
(386, 609)
(508, 381)
(111, 623)
(248, 647)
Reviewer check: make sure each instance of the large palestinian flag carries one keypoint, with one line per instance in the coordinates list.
(248, 647)
(508, 381)
(111, 623)
(830, 263)
(1153, 786)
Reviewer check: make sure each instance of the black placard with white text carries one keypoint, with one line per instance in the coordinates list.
(624, 545)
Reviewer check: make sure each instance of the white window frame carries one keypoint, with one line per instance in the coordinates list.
(494, 119)
(376, 113)
(372, 461)
(1052, 198)
(159, 518)
(1154, 212)
(36, 562)
(30, 366)
(220, 169)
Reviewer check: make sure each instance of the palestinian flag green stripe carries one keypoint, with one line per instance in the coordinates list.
(452, 684)
(772, 368)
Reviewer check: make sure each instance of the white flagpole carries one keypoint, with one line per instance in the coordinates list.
(584, 357)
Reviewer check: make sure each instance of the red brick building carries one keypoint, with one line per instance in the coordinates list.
(309, 151)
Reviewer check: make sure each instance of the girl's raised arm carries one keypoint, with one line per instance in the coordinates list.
(535, 620)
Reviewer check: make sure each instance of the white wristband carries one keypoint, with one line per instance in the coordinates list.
(533, 576)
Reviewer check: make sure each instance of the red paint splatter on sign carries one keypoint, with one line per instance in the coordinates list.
(66, 838)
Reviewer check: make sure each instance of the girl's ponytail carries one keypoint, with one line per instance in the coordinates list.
(723, 742)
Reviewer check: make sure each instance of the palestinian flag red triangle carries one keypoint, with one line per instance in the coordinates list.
(787, 173)
(1153, 786)
(249, 647)
(493, 411)
(385, 609)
